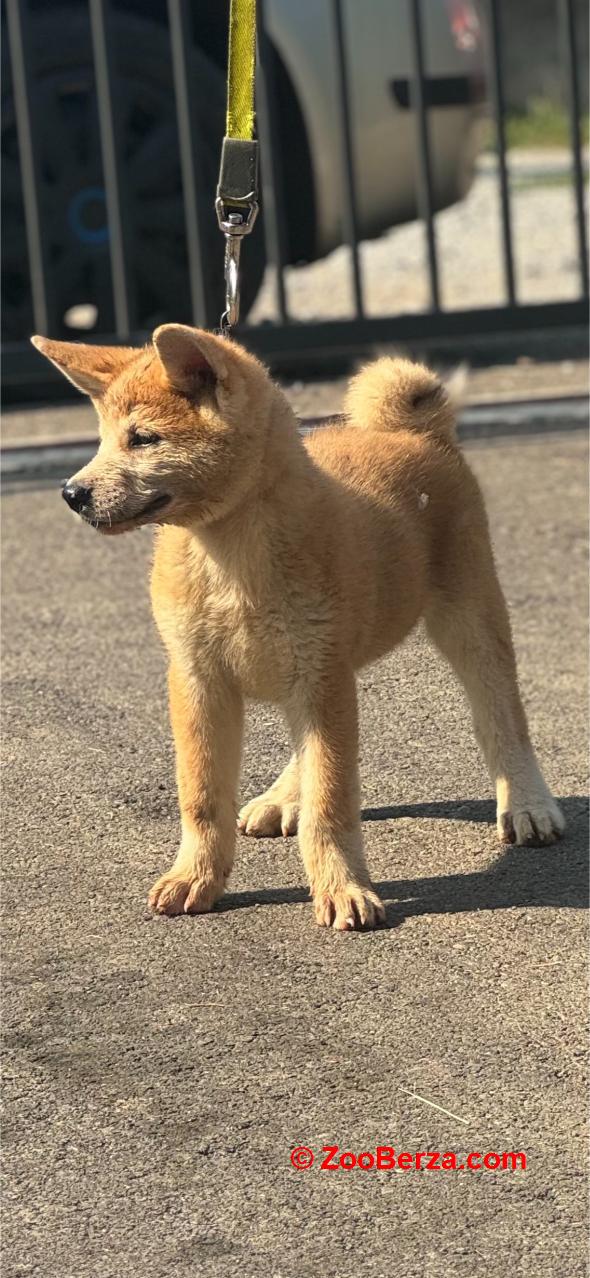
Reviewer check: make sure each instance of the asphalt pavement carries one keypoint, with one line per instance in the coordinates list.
(158, 1072)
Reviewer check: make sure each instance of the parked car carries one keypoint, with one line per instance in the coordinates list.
(72, 193)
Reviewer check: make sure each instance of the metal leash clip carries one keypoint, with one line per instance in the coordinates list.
(235, 225)
(236, 207)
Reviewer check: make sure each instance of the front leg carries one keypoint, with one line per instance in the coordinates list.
(207, 719)
(330, 839)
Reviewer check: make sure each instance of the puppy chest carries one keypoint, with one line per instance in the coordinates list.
(254, 645)
(258, 650)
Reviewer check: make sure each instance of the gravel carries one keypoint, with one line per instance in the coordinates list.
(394, 267)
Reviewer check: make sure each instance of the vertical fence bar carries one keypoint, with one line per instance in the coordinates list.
(199, 213)
(271, 166)
(425, 185)
(499, 108)
(348, 191)
(17, 15)
(574, 109)
(118, 219)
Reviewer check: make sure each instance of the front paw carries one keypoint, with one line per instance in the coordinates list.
(182, 892)
(348, 907)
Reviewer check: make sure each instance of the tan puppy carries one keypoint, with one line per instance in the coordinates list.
(282, 568)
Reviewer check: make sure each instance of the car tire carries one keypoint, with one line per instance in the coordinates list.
(72, 201)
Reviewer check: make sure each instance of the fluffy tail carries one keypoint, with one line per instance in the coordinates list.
(395, 394)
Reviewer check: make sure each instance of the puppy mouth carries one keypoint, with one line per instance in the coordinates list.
(143, 516)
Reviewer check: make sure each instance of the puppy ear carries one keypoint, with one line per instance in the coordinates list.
(90, 368)
(190, 357)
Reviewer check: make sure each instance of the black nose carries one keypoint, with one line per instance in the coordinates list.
(76, 495)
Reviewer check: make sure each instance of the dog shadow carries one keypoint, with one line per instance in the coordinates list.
(554, 876)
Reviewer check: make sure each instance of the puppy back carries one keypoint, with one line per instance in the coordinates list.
(397, 395)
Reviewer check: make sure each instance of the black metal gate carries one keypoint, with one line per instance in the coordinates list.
(286, 339)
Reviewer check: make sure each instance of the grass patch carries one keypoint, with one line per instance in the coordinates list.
(543, 124)
(523, 183)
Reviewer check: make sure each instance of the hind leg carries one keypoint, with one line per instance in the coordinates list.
(470, 626)
(277, 810)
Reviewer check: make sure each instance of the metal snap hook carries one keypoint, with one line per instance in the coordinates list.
(234, 226)
(231, 269)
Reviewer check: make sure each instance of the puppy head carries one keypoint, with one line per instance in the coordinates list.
(182, 428)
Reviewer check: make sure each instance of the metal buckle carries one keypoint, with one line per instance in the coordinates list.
(235, 224)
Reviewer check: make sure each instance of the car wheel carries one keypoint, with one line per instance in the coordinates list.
(72, 195)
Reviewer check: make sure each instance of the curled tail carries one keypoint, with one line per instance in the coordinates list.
(395, 394)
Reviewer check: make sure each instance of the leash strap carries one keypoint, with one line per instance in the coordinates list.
(240, 70)
(236, 204)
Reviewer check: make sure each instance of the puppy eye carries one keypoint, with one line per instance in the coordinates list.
(143, 439)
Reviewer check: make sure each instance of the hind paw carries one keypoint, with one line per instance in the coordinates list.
(265, 817)
(531, 824)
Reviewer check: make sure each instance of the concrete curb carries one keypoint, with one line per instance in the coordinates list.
(48, 458)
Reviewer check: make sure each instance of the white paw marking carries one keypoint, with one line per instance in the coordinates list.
(527, 811)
